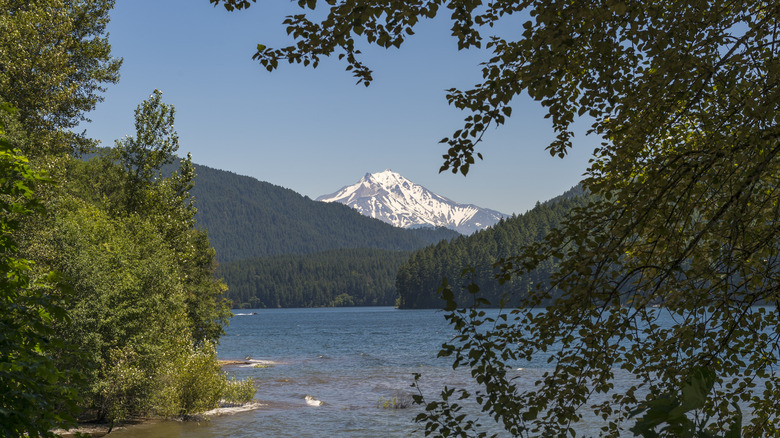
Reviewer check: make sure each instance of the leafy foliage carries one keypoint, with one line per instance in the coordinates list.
(144, 307)
(35, 396)
(107, 301)
(670, 411)
(155, 141)
(685, 97)
(54, 61)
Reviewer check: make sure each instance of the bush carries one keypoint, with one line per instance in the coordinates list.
(195, 383)
(238, 392)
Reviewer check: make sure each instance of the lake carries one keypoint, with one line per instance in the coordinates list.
(327, 372)
(351, 360)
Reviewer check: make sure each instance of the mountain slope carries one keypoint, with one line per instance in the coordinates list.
(248, 218)
(391, 198)
(419, 279)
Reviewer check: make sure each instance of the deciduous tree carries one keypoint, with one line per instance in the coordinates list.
(54, 62)
(145, 308)
(685, 96)
(35, 396)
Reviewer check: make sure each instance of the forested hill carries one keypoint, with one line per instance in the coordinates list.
(341, 277)
(247, 218)
(419, 279)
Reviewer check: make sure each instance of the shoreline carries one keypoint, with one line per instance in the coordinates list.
(97, 430)
(228, 362)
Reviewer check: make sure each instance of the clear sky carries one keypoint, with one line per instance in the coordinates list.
(314, 130)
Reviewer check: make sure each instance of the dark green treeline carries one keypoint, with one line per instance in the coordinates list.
(342, 277)
(419, 279)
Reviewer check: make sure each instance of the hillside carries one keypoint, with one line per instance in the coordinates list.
(247, 218)
(419, 279)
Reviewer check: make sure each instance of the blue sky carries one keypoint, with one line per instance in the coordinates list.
(314, 130)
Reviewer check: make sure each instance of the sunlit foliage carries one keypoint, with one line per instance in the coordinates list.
(55, 61)
(35, 396)
(685, 96)
(143, 304)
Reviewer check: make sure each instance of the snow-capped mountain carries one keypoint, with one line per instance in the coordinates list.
(390, 197)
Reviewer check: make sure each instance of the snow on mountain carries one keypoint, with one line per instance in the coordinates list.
(390, 197)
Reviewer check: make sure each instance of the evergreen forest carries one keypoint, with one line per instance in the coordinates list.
(469, 260)
(341, 277)
(277, 248)
(249, 219)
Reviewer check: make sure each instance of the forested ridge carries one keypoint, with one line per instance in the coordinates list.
(247, 218)
(366, 276)
(340, 277)
(419, 279)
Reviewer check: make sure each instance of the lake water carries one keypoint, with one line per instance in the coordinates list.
(349, 359)
(327, 372)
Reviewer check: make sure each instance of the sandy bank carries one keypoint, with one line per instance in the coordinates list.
(229, 410)
(223, 362)
(97, 430)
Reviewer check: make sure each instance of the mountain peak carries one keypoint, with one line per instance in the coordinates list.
(383, 175)
(390, 197)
